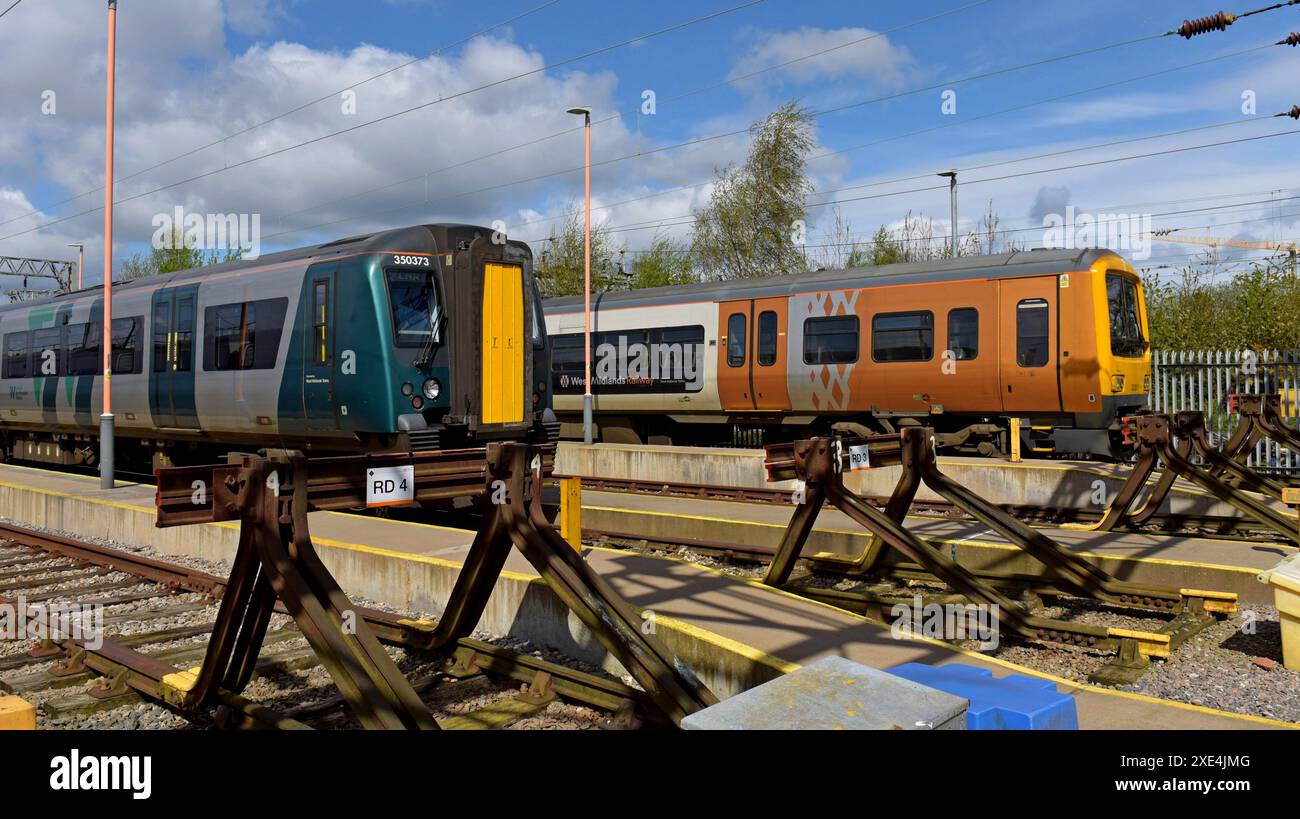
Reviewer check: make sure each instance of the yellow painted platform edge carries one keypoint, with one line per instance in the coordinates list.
(701, 632)
(984, 544)
(1010, 666)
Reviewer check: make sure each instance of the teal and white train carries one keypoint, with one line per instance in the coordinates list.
(424, 337)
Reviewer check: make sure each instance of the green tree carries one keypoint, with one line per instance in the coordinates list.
(758, 209)
(559, 263)
(175, 257)
(666, 263)
(1255, 309)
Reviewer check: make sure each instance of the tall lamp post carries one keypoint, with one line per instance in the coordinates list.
(587, 399)
(81, 261)
(952, 188)
(106, 338)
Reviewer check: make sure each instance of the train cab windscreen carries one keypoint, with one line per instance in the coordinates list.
(416, 313)
(1126, 339)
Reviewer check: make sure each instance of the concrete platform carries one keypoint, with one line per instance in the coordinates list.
(1184, 562)
(1052, 484)
(734, 633)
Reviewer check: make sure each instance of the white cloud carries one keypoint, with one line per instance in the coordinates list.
(872, 57)
(177, 93)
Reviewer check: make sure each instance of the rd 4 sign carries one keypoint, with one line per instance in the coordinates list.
(390, 485)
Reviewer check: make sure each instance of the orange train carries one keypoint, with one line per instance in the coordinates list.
(1056, 338)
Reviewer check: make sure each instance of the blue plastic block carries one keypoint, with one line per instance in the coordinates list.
(1016, 702)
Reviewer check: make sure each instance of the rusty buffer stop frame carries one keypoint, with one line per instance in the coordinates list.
(820, 464)
(271, 496)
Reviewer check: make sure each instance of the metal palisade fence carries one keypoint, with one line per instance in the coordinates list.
(1203, 380)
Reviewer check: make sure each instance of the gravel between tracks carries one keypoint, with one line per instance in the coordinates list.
(280, 690)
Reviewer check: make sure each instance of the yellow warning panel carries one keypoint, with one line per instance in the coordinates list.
(503, 344)
(17, 714)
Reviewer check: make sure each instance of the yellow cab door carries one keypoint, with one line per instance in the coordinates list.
(503, 344)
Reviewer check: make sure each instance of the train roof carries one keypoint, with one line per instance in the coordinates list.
(1002, 266)
(418, 238)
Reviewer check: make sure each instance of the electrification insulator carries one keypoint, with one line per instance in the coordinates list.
(1204, 25)
(1293, 40)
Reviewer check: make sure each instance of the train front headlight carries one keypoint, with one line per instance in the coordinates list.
(1117, 383)
(432, 389)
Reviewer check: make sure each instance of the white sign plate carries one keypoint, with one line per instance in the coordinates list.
(859, 458)
(390, 485)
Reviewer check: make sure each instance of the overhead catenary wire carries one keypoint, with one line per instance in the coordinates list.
(700, 140)
(905, 135)
(11, 7)
(302, 107)
(421, 106)
(1220, 21)
(1151, 154)
(617, 114)
(838, 109)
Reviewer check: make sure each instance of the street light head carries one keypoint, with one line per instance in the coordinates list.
(580, 111)
(949, 174)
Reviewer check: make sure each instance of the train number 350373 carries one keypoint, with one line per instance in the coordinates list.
(413, 261)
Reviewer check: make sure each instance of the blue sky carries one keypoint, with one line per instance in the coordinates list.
(191, 73)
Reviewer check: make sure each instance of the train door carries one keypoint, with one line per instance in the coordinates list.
(171, 378)
(1027, 316)
(752, 354)
(771, 346)
(734, 353)
(319, 404)
(503, 344)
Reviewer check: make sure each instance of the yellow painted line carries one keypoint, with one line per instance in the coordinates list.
(714, 638)
(55, 493)
(983, 544)
(1010, 666)
(756, 655)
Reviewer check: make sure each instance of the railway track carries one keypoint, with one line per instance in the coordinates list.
(131, 609)
(1165, 524)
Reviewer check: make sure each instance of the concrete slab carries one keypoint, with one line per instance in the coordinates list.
(835, 694)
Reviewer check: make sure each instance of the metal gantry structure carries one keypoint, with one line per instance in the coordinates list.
(61, 272)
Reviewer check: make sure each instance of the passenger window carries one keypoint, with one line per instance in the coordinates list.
(16, 360)
(83, 349)
(736, 340)
(964, 333)
(903, 336)
(184, 352)
(830, 340)
(124, 335)
(47, 352)
(766, 338)
(161, 336)
(1031, 333)
(320, 323)
(243, 335)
